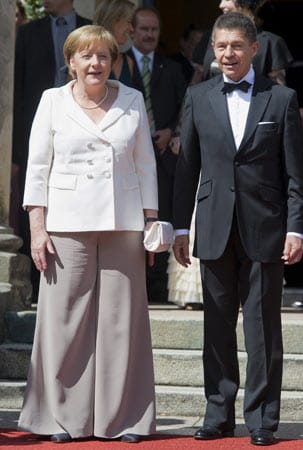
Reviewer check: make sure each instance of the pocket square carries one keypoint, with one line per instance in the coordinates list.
(159, 237)
(267, 123)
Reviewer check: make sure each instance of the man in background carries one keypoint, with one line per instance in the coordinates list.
(162, 83)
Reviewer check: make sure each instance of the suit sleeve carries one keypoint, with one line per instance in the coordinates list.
(40, 154)
(293, 157)
(188, 168)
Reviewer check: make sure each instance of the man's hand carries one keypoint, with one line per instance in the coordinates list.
(181, 249)
(293, 249)
(162, 138)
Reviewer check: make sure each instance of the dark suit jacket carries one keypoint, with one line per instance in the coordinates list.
(167, 93)
(261, 182)
(34, 72)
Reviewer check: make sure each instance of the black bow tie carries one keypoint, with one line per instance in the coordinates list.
(229, 87)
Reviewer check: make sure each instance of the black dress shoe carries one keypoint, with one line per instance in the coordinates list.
(260, 436)
(208, 433)
(60, 437)
(130, 437)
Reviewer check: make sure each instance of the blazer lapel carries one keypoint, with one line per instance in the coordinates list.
(219, 105)
(125, 97)
(260, 97)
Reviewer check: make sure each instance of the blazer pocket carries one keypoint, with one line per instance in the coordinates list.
(131, 181)
(204, 190)
(270, 194)
(268, 126)
(62, 181)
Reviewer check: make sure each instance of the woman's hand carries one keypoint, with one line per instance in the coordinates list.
(40, 240)
(40, 245)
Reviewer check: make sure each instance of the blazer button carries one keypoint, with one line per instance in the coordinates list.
(237, 163)
(232, 188)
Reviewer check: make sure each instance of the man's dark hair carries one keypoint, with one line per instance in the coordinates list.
(236, 21)
(189, 29)
(145, 9)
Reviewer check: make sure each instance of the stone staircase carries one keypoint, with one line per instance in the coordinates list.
(177, 345)
(177, 348)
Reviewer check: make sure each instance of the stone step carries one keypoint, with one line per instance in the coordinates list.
(15, 360)
(184, 368)
(178, 329)
(172, 367)
(171, 328)
(190, 401)
(170, 401)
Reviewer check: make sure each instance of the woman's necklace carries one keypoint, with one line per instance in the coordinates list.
(99, 103)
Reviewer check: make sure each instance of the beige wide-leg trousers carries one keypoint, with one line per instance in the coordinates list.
(91, 370)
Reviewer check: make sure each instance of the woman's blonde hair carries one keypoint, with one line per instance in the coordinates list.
(83, 37)
(109, 12)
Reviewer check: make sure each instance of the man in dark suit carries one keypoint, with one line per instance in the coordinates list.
(249, 222)
(39, 65)
(165, 95)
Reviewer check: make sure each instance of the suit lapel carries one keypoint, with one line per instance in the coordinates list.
(259, 100)
(158, 67)
(219, 104)
(125, 97)
(45, 36)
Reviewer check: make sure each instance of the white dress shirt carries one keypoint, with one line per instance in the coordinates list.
(139, 59)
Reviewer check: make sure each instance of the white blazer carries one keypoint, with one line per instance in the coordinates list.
(91, 177)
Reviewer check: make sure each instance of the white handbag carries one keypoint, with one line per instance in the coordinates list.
(159, 237)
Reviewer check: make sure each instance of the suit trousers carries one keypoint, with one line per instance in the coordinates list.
(228, 282)
(91, 370)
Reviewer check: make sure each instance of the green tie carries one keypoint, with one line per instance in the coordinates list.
(146, 79)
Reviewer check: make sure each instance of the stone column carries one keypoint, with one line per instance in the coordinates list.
(15, 288)
(7, 40)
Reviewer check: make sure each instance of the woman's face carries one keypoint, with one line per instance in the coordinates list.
(228, 6)
(122, 29)
(92, 65)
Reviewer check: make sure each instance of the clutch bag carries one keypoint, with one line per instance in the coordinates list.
(159, 237)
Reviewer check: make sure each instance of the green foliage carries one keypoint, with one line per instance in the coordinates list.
(34, 9)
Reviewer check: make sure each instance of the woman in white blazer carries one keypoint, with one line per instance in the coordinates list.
(90, 191)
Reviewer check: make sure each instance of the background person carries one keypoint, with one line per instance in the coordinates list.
(38, 62)
(91, 182)
(249, 222)
(116, 16)
(161, 81)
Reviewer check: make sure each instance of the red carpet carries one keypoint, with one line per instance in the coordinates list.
(10, 439)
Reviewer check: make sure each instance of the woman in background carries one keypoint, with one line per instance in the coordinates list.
(116, 16)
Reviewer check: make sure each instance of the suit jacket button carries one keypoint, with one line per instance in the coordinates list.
(237, 163)
(232, 188)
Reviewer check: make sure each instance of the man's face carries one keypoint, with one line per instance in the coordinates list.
(146, 32)
(188, 46)
(234, 52)
(57, 7)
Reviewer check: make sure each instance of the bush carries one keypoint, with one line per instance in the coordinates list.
(34, 9)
